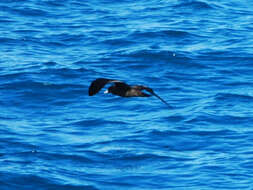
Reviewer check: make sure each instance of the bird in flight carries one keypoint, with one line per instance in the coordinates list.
(122, 89)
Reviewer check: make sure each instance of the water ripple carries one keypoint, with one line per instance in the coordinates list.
(197, 55)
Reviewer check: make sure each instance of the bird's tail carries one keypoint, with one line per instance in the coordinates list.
(161, 99)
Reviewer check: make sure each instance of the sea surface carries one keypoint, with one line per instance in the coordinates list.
(196, 54)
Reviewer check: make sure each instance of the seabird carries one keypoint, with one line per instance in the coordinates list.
(122, 89)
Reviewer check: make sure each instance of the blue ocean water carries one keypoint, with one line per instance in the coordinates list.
(196, 54)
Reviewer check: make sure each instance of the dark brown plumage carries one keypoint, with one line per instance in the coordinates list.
(121, 89)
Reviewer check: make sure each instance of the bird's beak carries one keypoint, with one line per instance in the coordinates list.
(106, 92)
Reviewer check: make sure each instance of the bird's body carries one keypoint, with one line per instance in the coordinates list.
(136, 91)
(120, 88)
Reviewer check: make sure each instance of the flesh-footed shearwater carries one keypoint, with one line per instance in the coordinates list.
(122, 89)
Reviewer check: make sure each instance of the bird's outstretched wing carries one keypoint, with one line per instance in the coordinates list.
(150, 90)
(99, 83)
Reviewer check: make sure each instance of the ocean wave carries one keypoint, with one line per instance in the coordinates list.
(170, 133)
(97, 122)
(30, 85)
(30, 181)
(195, 5)
(232, 97)
(224, 119)
(164, 34)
